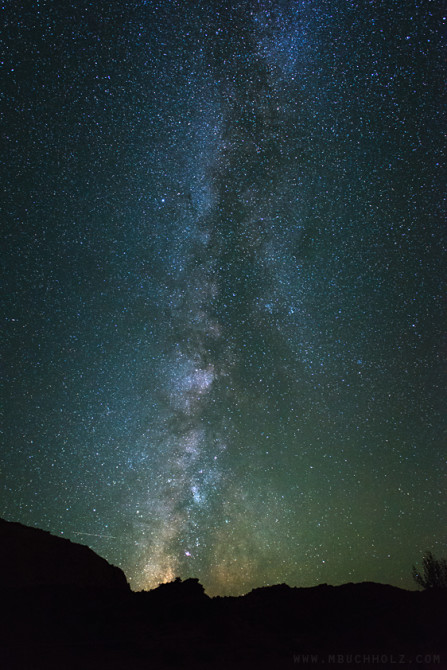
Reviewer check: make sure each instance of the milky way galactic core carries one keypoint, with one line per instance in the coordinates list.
(223, 317)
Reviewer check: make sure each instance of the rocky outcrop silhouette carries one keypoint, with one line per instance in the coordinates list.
(62, 606)
(31, 557)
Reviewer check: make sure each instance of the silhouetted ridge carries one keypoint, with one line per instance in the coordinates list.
(31, 557)
(62, 606)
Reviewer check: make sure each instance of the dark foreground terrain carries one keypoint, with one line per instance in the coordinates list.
(62, 606)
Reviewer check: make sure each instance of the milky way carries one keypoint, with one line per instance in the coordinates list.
(224, 277)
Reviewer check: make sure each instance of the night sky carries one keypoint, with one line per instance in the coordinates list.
(225, 262)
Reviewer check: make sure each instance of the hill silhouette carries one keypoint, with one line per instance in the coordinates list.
(34, 557)
(62, 606)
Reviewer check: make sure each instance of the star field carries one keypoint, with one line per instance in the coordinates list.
(224, 316)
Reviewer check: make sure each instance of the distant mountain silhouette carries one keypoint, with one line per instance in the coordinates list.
(64, 607)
